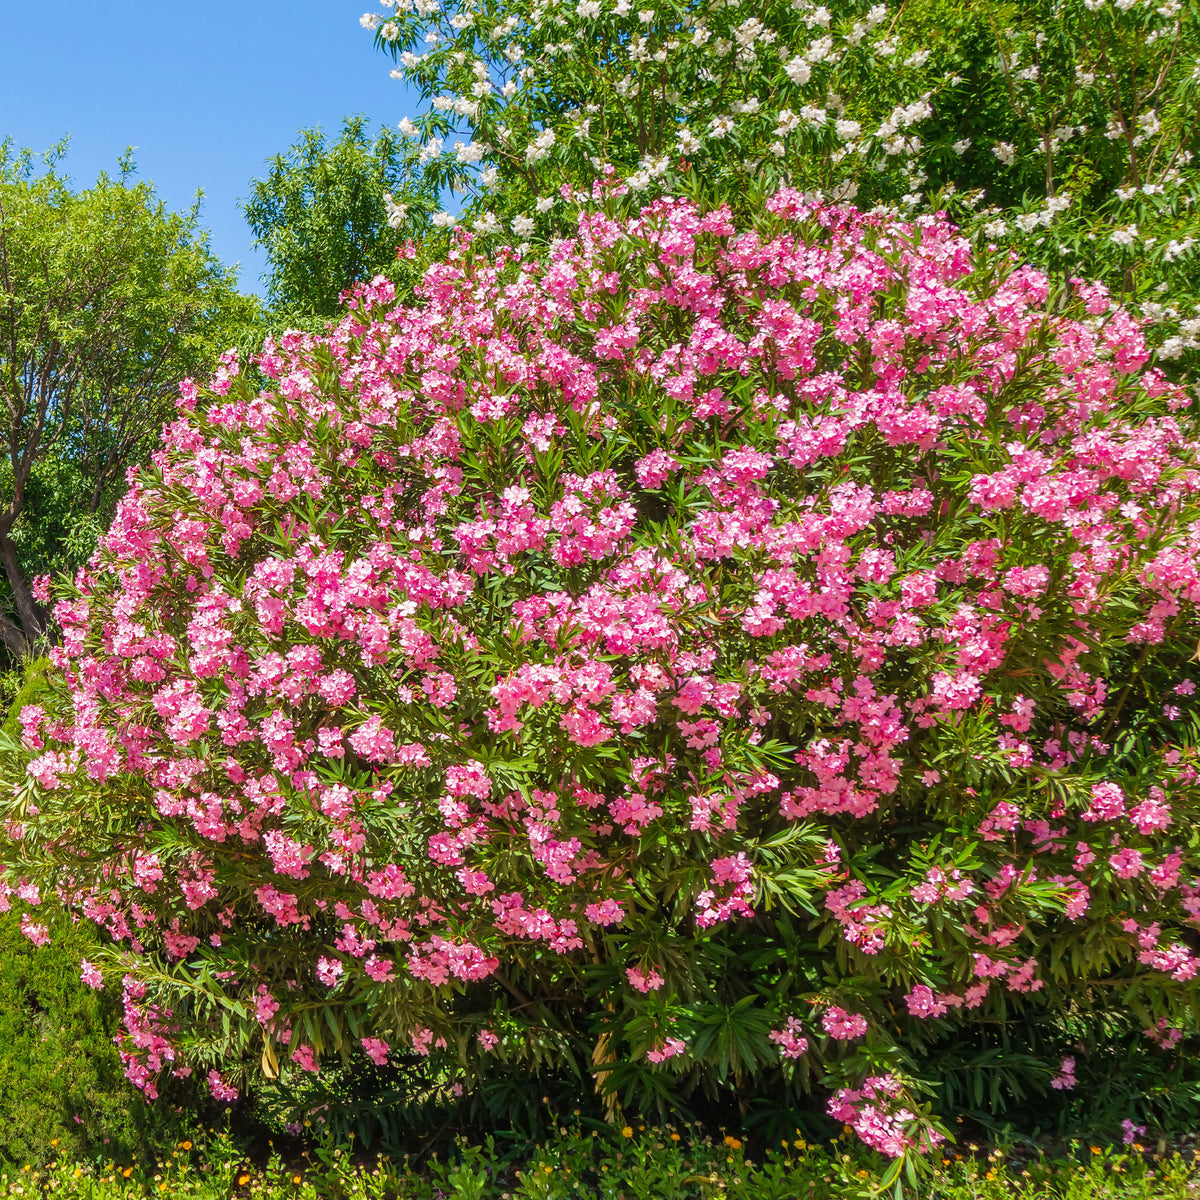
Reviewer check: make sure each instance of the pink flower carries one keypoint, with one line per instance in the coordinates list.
(329, 971)
(668, 1049)
(843, 1025)
(789, 1039)
(642, 981)
(377, 1050)
(219, 1088)
(39, 935)
(1131, 1131)
(1065, 1079)
(90, 974)
(923, 1003)
(303, 1056)
(1127, 863)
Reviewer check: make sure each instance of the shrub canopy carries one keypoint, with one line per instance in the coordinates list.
(705, 655)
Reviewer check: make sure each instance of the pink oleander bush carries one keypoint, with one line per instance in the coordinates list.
(707, 655)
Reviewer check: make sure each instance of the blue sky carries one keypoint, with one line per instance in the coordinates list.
(207, 91)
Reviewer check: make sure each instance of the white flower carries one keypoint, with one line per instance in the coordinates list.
(443, 220)
(622, 7)
(369, 20)
(488, 223)
(540, 147)
(461, 21)
(430, 150)
(1126, 235)
(1148, 122)
(397, 214)
(846, 190)
(1005, 152)
(488, 177)
(720, 126)
(813, 115)
(798, 70)
(820, 50)
(588, 9)
(468, 153)
(995, 229)
(917, 58)
(748, 32)
(545, 203)
(787, 121)
(819, 16)
(1175, 249)
(778, 149)
(962, 147)
(522, 226)
(687, 141)
(848, 129)
(646, 15)
(407, 128)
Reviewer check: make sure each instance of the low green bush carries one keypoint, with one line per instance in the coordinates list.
(61, 1082)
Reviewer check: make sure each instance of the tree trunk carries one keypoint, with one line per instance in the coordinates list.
(29, 614)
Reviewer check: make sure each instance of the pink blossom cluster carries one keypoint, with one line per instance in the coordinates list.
(609, 595)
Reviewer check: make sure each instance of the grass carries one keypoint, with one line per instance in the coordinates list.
(641, 1164)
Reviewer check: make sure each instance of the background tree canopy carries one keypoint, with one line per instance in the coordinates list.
(323, 216)
(107, 301)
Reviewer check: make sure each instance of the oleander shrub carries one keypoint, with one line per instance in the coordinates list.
(712, 659)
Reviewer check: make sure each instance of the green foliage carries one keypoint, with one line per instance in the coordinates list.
(33, 683)
(61, 1081)
(322, 215)
(107, 301)
(642, 1164)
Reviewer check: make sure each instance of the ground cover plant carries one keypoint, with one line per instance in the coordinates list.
(711, 654)
(655, 1163)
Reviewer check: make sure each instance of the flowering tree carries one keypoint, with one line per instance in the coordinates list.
(1062, 129)
(709, 651)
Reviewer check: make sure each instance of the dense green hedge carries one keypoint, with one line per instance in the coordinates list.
(61, 1081)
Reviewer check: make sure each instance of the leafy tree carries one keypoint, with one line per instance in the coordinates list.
(107, 301)
(329, 216)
